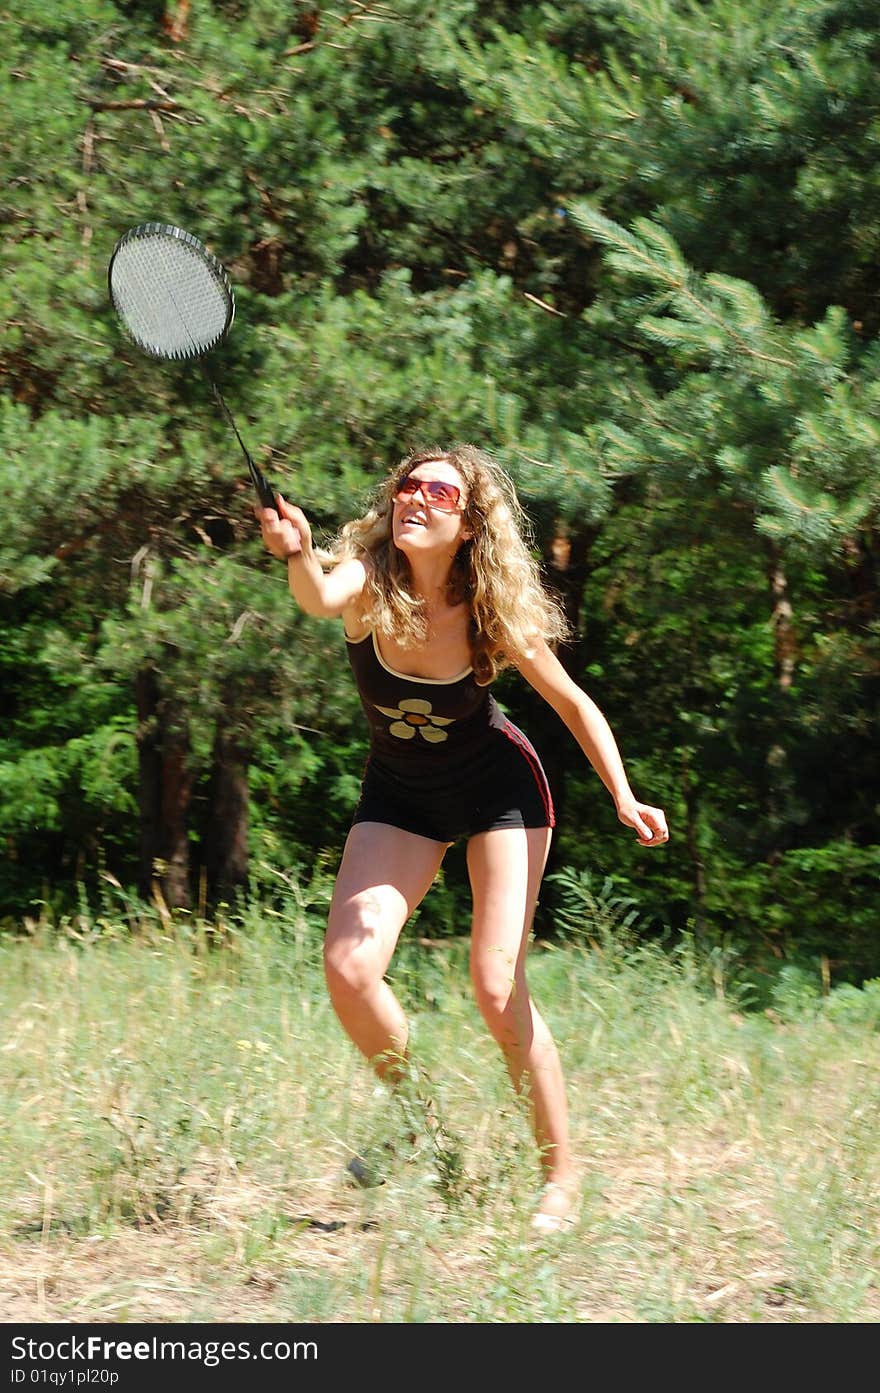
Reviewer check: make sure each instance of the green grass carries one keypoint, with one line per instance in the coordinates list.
(178, 1107)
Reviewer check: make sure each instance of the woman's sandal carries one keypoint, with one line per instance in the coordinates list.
(557, 1209)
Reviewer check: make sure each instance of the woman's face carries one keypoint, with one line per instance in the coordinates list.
(431, 521)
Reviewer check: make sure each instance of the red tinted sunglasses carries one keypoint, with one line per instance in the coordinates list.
(436, 493)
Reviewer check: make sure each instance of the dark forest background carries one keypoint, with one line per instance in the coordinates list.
(633, 248)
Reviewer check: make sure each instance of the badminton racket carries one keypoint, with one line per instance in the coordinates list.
(174, 301)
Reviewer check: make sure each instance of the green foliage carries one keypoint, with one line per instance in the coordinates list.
(586, 914)
(796, 993)
(631, 247)
(852, 1006)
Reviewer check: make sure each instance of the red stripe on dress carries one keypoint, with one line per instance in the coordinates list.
(522, 744)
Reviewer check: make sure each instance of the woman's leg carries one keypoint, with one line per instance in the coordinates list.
(505, 868)
(385, 873)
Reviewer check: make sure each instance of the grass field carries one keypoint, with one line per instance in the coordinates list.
(177, 1115)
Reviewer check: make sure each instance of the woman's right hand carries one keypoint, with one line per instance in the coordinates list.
(286, 530)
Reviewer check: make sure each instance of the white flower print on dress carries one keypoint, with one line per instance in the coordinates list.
(414, 715)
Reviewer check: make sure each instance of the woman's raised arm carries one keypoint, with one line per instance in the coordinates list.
(324, 594)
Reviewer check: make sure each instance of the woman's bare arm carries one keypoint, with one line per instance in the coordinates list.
(324, 594)
(543, 670)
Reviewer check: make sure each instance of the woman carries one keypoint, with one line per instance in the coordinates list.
(437, 592)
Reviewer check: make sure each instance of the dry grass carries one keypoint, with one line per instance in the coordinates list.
(177, 1123)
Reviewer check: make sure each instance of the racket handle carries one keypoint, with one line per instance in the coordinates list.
(265, 491)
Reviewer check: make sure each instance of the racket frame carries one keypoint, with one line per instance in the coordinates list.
(214, 267)
(264, 489)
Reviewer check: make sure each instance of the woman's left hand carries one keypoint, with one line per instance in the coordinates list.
(650, 823)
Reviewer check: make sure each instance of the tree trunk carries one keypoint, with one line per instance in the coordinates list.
(226, 836)
(164, 794)
(784, 658)
(149, 778)
(785, 644)
(695, 860)
(174, 20)
(177, 785)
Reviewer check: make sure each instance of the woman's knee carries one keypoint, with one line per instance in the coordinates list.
(353, 962)
(497, 994)
(349, 971)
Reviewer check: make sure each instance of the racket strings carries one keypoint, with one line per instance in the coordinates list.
(170, 301)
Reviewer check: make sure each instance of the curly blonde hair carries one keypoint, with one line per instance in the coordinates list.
(493, 571)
